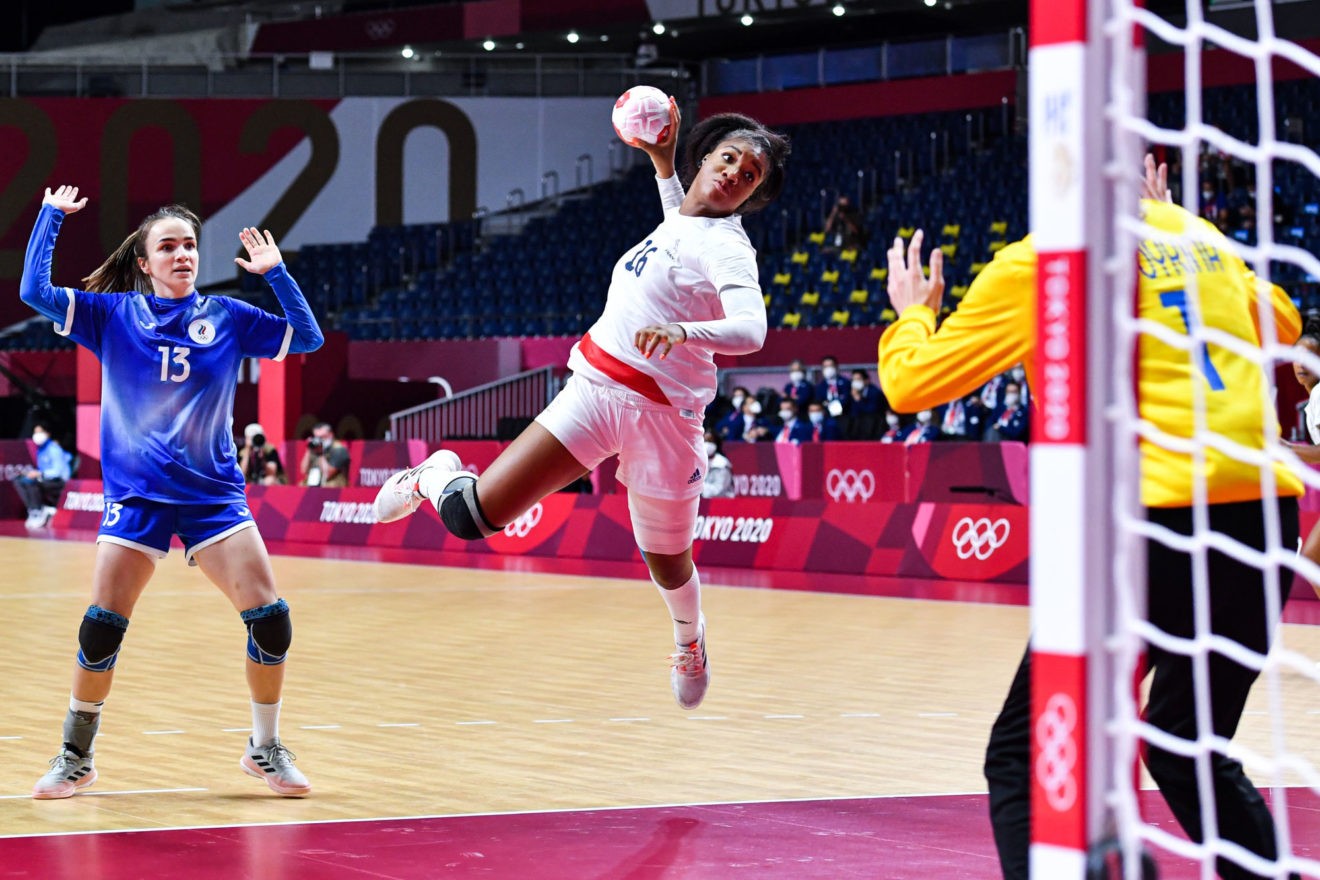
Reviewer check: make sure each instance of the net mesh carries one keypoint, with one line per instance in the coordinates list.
(1232, 137)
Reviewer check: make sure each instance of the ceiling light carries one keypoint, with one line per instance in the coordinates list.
(604, 38)
(931, 2)
(488, 45)
(519, 45)
(747, 19)
(406, 51)
(838, 9)
(658, 27)
(573, 36)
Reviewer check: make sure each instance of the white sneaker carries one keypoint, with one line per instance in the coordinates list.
(48, 514)
(400, 495)
(689, 672)
(34, 519)
(67, 774)
(274, 764)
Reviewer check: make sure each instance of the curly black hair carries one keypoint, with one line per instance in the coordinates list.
(709, 133)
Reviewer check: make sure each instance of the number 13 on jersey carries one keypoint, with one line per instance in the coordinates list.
(174, 366)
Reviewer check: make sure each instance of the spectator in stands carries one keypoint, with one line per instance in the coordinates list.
(823, 426)
(963, 419)
(843, 228)
(747, 426)
(832, 389)
(896, 432)
(924, 431)
(326, 461)
(798, 390)
(791, 428)
(719, 470)
(1010, 422)
(992, 329)
(259, 460)
(729, 425)
(864, 397)
(41, 486)
(641, 377)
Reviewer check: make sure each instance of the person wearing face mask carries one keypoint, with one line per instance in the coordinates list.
(792, 429)
(730, 426)
(1010, 421)
(798, 390)
(748, 426)
(865, 407)
(896, 432)
(40, 487)
(832, 389)
(822, 426)
(719, 470)
(924, 431)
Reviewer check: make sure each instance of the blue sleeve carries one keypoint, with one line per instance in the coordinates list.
(307, 334)
(56, 465)
(267, 335)
(35, 289)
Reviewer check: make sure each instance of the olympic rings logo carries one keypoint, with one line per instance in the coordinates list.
(850, 484)
(1058, 752)
(380, 28)
(523, 525)
(979, 537)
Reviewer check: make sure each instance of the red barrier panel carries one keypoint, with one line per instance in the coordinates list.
(372, 462)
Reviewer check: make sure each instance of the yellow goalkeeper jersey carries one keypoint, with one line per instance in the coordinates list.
(995, 327)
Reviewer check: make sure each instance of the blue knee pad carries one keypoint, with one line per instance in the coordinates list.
(269, 633)
(99, 639)
(461, 512)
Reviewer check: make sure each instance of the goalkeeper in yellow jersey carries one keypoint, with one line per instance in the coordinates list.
(995, 328)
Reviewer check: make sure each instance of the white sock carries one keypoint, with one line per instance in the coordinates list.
(684, 605)
(265, 722)
(432, 482)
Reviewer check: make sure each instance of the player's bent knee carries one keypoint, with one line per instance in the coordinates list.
(461, 513)
(269, 633)
(99, 639)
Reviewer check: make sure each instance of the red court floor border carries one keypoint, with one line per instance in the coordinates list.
(901, 838)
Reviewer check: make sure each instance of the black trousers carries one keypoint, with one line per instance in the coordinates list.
(1238, 612)
(41, 493)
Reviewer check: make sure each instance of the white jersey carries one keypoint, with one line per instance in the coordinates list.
(1313, 415)
(698, 272)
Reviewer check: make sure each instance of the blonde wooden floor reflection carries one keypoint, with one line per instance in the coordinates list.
(418, 690)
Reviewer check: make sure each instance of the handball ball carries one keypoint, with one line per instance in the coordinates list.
(642, 114)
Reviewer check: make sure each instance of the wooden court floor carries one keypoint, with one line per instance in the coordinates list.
(418, 690)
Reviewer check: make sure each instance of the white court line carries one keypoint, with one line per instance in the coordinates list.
(321, 727)
(462, 723)
(937, 714)
(162, 732)
(552, 720)
(28, 797)
(401, 724)
(10, 737)
(232, 730)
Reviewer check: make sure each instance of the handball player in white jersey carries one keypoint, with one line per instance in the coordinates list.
(642, 377)
(169, 366)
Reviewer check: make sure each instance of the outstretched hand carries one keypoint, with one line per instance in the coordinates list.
(65, 198)
(908, 285)
(662, 152)
(263, 255)
(1155, 185)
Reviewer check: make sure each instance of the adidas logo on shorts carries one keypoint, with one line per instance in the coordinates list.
(695, 478)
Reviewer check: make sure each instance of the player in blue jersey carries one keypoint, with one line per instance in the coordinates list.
(169, 366)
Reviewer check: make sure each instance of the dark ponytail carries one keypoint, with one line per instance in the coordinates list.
(1311, 330)
(120, 272)
(707, 134)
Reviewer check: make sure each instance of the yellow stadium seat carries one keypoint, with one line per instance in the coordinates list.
(783, 278)
(859, 296)
(848, 255)
(766, 297)
(879, 273)
(999, 227)
(810, 298)
(907, 231)
(977, 267)
(816, 237)
(953, 230)
(950, 250)
(791, 319)
(958, 291)
(840, 317)
(997, 246)
(800, 257)
(829, 276)
(889, 315)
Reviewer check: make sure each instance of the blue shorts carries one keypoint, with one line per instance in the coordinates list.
(147, 526)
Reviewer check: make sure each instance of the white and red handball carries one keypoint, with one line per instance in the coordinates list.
(641, 115)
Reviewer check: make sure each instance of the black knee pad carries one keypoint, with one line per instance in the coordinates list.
(269, 633)
(99, 638)
(461, 513)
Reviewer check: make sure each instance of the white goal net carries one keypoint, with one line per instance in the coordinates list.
(1126, 575)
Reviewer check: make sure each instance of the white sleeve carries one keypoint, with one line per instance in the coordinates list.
(740, 331)
(671, 192)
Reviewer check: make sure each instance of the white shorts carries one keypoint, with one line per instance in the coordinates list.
(662, 453)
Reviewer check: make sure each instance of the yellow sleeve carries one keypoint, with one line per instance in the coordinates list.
(993, 329)
(1287, 320)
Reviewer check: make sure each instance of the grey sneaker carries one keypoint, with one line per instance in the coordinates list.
(274, 764)
(400, 495)
(67, 774)
(689, 672)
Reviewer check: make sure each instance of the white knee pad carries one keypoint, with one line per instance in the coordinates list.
(661, 525)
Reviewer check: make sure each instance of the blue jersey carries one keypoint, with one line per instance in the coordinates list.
(169, 369)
